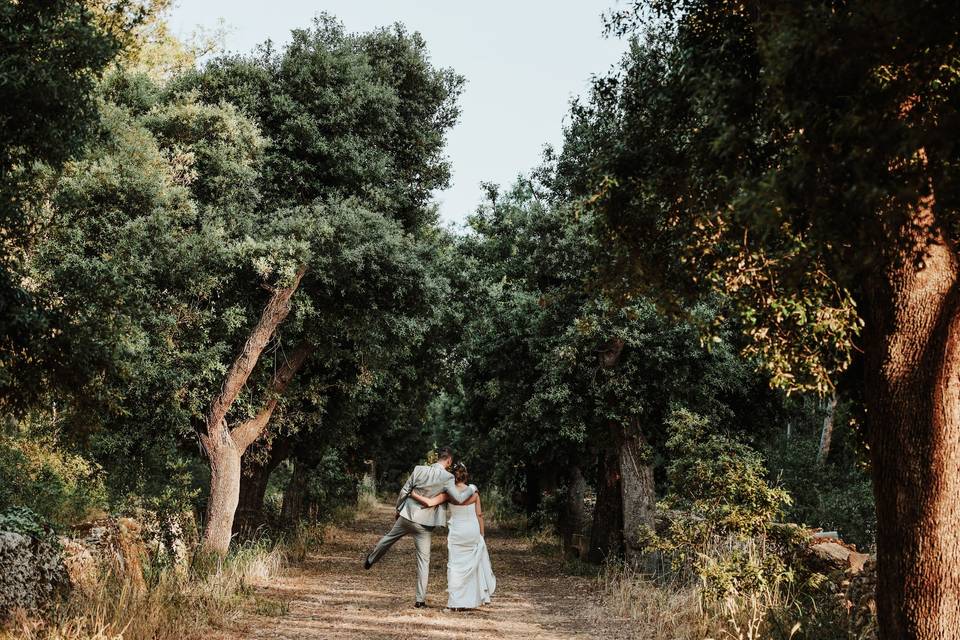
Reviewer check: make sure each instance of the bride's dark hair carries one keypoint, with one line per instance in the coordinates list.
(460, 472)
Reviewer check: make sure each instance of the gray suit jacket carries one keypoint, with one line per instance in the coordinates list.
(429, 482)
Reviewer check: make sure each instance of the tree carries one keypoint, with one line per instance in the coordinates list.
(188, 264)
(799, 158)
(358, 114)
(555, 376)
(363, 116)
(55, 48)
(133, 271)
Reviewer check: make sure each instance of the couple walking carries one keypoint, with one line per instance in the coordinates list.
(434, 497)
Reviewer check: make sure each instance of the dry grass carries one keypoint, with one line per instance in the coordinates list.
(682, 610)
(169, 607)
(650, 611)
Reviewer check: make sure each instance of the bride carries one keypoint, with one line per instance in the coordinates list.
(470, 579)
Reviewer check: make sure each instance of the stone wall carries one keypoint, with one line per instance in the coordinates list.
(31, 573)
(33, 570)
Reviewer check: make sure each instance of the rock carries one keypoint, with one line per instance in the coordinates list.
(116, 545)
(31, 573)
(856, 561)
(832, 552)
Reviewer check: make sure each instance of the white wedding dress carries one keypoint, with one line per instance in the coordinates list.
(470, 579)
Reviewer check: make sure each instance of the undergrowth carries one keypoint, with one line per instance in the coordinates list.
(170, 604)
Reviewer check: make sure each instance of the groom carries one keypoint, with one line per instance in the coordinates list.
(419, 521)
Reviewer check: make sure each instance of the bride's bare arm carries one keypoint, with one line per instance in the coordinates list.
(479, 509)
(429, 502)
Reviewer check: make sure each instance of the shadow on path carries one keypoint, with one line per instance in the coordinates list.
(331, 596)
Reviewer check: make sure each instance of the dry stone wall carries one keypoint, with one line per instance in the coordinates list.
(32, 572)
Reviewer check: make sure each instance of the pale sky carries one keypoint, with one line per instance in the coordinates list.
(523, 60)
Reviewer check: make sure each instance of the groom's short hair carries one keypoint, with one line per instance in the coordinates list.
(444, 452)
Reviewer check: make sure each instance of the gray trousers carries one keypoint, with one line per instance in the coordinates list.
(421, 539)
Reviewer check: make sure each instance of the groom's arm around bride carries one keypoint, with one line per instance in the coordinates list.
(418, 521)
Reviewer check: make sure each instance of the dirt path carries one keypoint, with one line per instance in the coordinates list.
(331, 596)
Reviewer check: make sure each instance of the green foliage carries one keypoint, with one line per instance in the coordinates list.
(737, 169)
(719, 479)
(158, 269)
(346, 114)
(55, 48)
(330, 486)
(50, 48)
(41, 476)
(530, 382)
(155, 245)
(835, 495)
(25, 521)
(719, 507)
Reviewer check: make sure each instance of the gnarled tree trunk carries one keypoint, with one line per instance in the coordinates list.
(913, 407)
(606, 534)
(572, 515)
(253, 487)
(626, 498)
(626, 494)
(637, 492)
(224, 445)
(295, 494)
(224, 455)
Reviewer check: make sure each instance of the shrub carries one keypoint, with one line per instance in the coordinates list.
(718, 536)
(719, 478)
(25, 521)
(330, 486)
(59, 486)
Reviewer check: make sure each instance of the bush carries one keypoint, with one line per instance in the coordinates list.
(25, 521)
(717, 535)
(330, 486)
(59, 486)
(718, 478)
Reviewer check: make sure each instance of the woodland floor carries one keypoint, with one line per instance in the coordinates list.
(331, 596)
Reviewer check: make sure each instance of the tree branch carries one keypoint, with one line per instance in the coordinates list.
(274, 313)
(248, 431)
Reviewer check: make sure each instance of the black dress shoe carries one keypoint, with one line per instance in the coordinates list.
(366, 562)
(419, 605)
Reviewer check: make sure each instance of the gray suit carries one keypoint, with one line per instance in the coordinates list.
(416, 520)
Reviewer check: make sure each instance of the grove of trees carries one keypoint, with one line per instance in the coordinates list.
(226, 281)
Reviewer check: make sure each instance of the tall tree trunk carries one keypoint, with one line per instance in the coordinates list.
(253, 487)
(606, 534)
(913, 406)
(630, 461)
(224, 493)
(225, 446)
(572, 516)
(295, 494)
(826, 434)
(638, 494)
